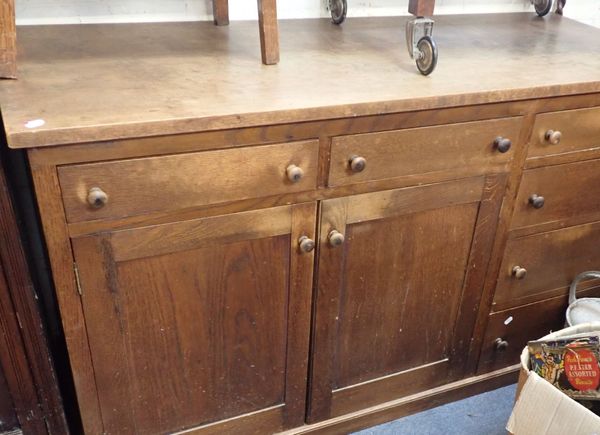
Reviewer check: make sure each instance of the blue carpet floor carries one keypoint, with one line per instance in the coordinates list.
(484, 414)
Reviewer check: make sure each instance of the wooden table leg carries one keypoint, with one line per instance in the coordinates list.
(269, 32)
(8, 40)
(221, 12)
(421, 8)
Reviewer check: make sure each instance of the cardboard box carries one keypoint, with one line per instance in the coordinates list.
(542, 409)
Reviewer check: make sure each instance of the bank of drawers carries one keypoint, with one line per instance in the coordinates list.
(554, 235)
(122, 188)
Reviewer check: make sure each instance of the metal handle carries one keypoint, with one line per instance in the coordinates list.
(537, 201)
(519, 272)
(581, 277)
(553, 136)
(502, 144)
(500, 344)
(335, 238)
(97, 197)
(306, 244)
(294, 173)
(357, 163)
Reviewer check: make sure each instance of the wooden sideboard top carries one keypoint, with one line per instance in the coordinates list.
(110, 81)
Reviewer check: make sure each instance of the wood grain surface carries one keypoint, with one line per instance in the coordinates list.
(175, 182)
(571, 189)
(153, 79)
(8, 40)
(210, 329)
(392, 154)
(552, 260)
(580, 131)
(372, 342)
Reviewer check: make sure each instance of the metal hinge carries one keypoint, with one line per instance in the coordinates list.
(77, 280)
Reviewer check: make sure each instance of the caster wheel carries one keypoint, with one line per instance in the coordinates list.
(543, 7)
(338, 9)
(429, 54)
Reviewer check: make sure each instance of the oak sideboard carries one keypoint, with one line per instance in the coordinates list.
(312, 247)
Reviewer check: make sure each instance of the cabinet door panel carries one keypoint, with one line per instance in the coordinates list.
(203, 333)
(397, 301)
(393, 276)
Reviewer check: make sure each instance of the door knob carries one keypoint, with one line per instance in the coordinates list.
(502, 144)
(500, 344)
(306, 244)
(97, 197)
(294, 173)
(335, 238)
(537, 201)
(553, 136)
(357, 164)
(519, 272)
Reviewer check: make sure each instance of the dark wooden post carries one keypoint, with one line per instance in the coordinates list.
(269, 32)
(221, 12)
(8, 40)
(24, 356)
(421, 8)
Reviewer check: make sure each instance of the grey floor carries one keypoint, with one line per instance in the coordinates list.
(484, 414)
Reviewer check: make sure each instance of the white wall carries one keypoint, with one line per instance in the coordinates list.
(94, 11)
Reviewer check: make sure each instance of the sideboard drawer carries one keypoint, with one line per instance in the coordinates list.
(508, 332)
(446, 148)
(563, 132)
(558, 193)
(138, 186)
(543, 265)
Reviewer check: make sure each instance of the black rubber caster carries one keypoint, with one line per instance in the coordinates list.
(338, 9)
(428, 57)
(543, 7)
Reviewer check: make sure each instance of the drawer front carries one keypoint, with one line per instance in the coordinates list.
(146, 185)
(468, 147)
(564, 132)
(515, 328)
(571, 190)
(546, 264)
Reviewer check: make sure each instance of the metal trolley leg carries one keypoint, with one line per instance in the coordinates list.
(338, 9)
(419, 36)
(543, 7)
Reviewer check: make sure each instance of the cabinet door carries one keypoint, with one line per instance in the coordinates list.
(201, 323)
(397, 299)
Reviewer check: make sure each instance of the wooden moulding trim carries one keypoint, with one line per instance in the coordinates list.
(241, 137)
(95, 133)
(219, 139)
(387, 387)
(177, 236)
(407, 405)
(393, 375)
(269, 418)
(411, 199)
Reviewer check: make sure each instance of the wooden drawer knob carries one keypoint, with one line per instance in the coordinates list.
(294, 173)
(537, 201)
(357, 164)
(553, 136)
(335, 238)
(306, 244)
(97, 198)
(502, 144)
(500, 344)
(519, 272)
